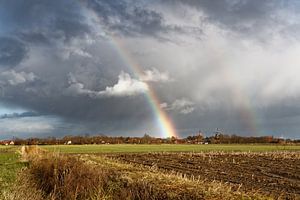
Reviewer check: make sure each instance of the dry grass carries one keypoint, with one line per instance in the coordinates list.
(62, 177)
(171, 185)
(271, 174)
(31, 152)
(23, 189)
(54, 177)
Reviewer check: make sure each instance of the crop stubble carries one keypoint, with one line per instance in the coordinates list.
(275, 174)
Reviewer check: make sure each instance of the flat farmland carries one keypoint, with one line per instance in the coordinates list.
(271, 170)
(150, 172)
(272, 174)
(140, 148)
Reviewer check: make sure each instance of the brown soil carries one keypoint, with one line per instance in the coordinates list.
(272, 174)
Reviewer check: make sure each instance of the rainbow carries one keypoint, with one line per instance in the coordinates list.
(166, 125)
(167, 128)
(247, 112)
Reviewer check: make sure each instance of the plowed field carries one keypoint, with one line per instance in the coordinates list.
(273, 174)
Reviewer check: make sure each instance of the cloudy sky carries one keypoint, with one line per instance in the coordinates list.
(76, 67)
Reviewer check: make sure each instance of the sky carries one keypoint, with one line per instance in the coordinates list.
(161, 67)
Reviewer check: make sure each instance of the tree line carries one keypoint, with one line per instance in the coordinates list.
(217, 138)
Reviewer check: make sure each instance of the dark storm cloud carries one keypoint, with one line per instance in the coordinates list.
(129, 17)
(19, 115)
(34, 37)
(43, 20)
(12, 52)
(70, 27)
(49, 40)
(85, 109)
(260, 20)
(232, 12)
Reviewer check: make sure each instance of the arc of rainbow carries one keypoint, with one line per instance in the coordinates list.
(246, 111)
(166, 125)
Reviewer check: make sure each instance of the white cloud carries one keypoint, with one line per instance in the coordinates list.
(182, 106)
(126, 86)
(80, 52)
(164, 105)
(77, 47)
(14, 78)
(154, 75)
(67, 52)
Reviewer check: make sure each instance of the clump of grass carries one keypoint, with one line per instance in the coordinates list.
(65, 177)
(31, 152)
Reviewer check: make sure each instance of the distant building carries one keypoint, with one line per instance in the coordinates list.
(7, 142)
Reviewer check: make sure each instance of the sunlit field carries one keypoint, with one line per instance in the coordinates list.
(131, 148)
(9, 166)
(150, 172)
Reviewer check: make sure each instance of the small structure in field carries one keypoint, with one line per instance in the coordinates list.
(7, 142)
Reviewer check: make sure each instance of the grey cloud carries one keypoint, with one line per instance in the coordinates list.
(14, 78)
(34, 37)
(12, 52)
(41, 21)
(235, 13)
(255, 19)
(154, 75)
(71, 27)
(183, 106)
(129, 18)
(19, 115)
(36, 126)
(244, 9)
(215, 79)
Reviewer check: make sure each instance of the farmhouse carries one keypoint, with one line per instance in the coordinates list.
(7, 142)
(69, 142)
